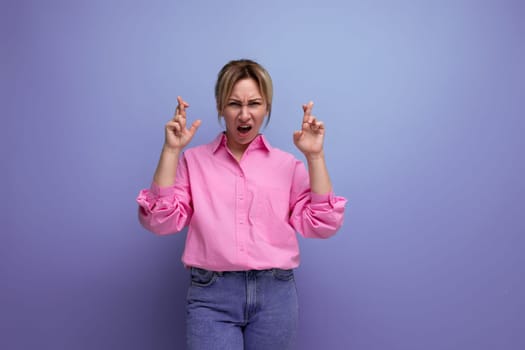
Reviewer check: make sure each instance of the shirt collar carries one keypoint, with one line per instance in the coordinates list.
(259, 142)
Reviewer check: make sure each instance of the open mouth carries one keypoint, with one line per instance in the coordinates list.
(244, 129)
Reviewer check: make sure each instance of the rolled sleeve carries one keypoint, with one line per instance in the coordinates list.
(165, 210)
(318, 215)
(322, 216)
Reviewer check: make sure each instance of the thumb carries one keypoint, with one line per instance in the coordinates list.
(297, 135)
(194, 126)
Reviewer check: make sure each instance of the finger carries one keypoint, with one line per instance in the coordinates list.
(180, 120)
(177, 127)
(194, 126)
(173, 126)
(181, 106)
(296, 136)
(306, 126)
(318, 125)
(307, 108)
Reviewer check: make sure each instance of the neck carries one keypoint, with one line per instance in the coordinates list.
(237, 150)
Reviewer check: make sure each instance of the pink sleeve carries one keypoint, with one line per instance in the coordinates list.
(165, 210)
(314, 215)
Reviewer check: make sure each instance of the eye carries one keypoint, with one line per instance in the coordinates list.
(233, 104)
(255, 103)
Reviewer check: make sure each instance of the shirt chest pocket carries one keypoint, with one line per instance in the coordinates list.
(270, 203)
(269, 214)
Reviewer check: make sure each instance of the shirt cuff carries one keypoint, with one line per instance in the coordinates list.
(316, 198)
(161, 192)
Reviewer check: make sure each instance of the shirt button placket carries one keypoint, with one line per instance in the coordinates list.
(241, 210)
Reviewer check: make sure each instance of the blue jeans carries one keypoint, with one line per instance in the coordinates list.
(251, 310)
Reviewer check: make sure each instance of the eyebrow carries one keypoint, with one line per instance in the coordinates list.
(250, 100)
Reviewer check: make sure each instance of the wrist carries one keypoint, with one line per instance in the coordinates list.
(314, 156)
(171, 150)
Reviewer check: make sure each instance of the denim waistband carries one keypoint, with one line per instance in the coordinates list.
(221, 273)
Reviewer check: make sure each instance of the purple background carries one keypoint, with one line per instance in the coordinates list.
(423, 102)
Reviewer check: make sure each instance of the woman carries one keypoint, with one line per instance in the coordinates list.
(243, 201)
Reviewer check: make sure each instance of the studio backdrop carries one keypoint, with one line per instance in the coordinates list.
(423, 103)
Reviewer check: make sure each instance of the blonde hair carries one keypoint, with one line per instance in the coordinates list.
(241, 69)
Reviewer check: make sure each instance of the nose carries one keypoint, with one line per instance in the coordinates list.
(245, 113)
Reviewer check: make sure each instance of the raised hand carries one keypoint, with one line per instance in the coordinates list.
(177, 136)
(310, 138)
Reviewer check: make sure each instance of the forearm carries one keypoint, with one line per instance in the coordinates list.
(319, 179)
(167, 167)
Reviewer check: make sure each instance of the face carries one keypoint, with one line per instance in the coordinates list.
(244, 114)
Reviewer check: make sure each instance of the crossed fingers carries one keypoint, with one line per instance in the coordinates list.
(179, 119)
(181, 107)
(310, 122)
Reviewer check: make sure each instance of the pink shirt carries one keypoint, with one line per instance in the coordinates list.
(241, 215)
